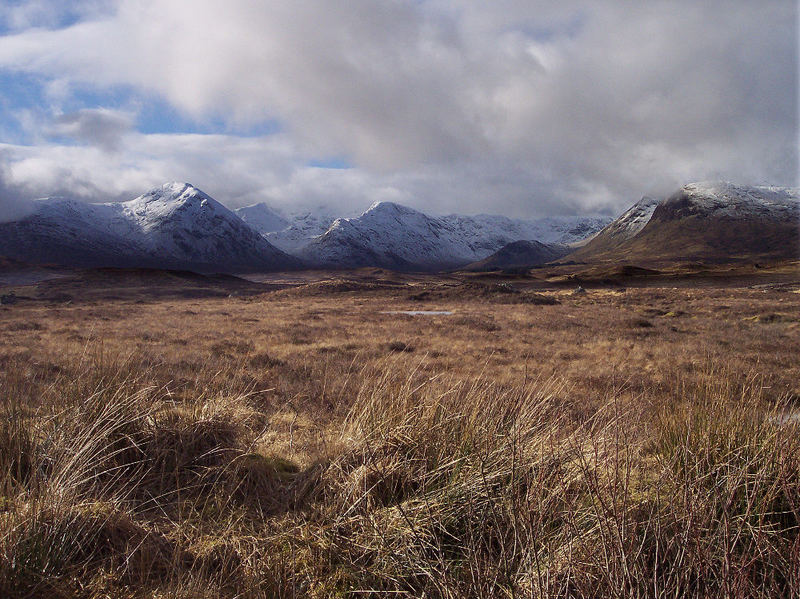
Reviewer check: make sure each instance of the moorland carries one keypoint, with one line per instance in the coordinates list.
(555, 433)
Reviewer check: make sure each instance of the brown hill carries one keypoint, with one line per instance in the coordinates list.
(704, 222)
(520, 255)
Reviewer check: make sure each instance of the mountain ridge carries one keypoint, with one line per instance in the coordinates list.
(179, 226)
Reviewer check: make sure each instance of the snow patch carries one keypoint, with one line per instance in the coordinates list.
(741, 201)
(420, 312)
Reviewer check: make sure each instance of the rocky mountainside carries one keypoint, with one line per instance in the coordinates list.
(707, 222)
(172, 226)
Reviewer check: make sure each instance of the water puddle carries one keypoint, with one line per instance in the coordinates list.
(420, 312)
(787, 419)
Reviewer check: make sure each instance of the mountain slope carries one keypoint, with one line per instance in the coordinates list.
(491, 231)
(262, 218)
(520, 254)
(304, 226)
(626, 226)
(72, 233)
(172, 226)
(394, 236)
(712, 222)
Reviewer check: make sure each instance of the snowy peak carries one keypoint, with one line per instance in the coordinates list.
(173, 201)
(172, 196)
(390, 214)
(262, 218)
(290, 229)
(384, 208)
(173, 191)
(726, 192)
(172, 226)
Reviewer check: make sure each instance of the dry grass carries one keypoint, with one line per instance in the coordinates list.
(639, 443)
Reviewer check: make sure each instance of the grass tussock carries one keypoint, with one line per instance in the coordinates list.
(438, 488)
(478, 492)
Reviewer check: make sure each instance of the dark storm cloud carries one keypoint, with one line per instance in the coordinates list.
(99, 127)
(14, 203)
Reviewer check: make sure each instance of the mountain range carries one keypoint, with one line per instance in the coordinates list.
(179, 226)
(394, 236)
(289, 231)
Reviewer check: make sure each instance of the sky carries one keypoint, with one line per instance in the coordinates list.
(527, 108)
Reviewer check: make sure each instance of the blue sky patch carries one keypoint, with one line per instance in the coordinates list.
(338, 163)
(26, 94)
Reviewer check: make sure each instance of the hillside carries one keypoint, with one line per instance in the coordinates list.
(520, 254)
(706, 222)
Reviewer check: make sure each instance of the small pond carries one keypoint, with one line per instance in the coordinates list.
(420, 312)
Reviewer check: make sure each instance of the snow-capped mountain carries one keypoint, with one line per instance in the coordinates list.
(709, 221)
(288, 230)
(394, 236)
(262, 218)
(172, 226)
(305, 225)
(484, 233)
(491, 231)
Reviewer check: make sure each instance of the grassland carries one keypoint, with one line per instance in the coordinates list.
(300, 441)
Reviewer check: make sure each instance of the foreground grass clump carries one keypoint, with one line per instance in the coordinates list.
(426, 485)
(482, 492)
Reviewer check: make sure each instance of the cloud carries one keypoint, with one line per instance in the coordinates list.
(519, 106)
(48, 14)
(239, 171)
(99, 127)
(235, 170)
(13, 201)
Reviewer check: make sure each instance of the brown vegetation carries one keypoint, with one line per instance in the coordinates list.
(307, 443)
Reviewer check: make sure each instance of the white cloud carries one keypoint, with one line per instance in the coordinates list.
(235, 170)
(515, 105)
(48, 14)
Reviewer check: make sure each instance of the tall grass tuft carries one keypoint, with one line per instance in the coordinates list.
(112, 486)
